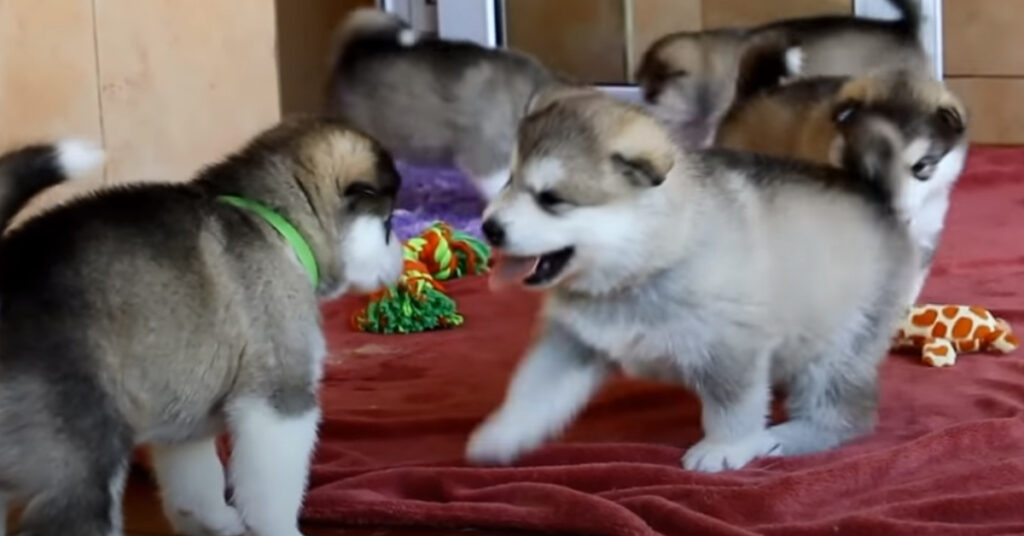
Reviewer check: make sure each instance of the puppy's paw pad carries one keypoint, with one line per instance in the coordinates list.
(712, 456)
(222, 520)
(494, 444)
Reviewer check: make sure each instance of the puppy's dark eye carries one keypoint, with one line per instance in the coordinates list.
(681, 73)
(923, 169)
(549, 199)
(845, 111)
(361, 190)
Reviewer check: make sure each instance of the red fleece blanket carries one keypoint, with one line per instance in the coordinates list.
(947, 458)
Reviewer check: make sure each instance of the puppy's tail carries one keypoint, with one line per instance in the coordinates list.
(872, 152)
(766, 63)
(367, 29)
(29, 170)
(910, 16)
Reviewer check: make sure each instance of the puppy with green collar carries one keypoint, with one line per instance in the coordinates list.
(166, 314)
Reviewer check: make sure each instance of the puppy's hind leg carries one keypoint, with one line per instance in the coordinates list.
(191, 480)
(554, 381)
(87, 503)
(826, 409)
(273, 443)
(835, 399)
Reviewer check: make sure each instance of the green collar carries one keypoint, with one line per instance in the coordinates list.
(283, 226)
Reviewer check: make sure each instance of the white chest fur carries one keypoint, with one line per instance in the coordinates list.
(628, 335)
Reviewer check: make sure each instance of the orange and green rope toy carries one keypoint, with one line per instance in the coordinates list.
(418, 302)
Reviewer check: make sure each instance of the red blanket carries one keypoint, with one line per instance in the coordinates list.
(947, 458)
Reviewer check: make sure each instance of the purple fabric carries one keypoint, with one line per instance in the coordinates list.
(429, 194)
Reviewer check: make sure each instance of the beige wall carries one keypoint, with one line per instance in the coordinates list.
(166, 85)
(984, 63)
(304, 29)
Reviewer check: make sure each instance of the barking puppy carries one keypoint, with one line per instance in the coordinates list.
(806, 119)
(164, 314)
(689, 78)
(713, 269)
(433, 101)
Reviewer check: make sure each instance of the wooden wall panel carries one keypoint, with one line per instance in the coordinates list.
(983, 37)
(582, 38)
(183, 82)
(723, 13)
(47, 71)
(655, 18)
(996, 116)
(304, 29)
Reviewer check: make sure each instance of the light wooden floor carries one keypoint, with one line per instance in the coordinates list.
(144, 518)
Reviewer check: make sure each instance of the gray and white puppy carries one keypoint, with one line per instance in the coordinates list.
(729, 272)
(432, 101)
(163, 315)
(689, 78)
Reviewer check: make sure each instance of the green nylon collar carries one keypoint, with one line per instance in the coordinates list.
(282, 226)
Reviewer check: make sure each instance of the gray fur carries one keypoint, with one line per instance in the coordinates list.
(724, 275)
(432, 101)
(153, 313)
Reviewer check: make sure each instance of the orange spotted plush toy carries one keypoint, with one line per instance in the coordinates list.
(939, 332)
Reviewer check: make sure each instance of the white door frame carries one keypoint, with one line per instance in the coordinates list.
(477, 21)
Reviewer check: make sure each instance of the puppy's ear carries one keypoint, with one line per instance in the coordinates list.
(546, 97)
(951, 119)
(639, 171)
(872, 148)
(643, 153)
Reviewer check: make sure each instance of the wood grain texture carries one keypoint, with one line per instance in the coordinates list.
(585, 39)
(304, 29)
(183, 82)
(48, 84)
(996, 110)
(724, 13)
(983, 37)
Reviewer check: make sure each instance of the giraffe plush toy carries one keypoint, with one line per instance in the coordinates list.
(939, 332)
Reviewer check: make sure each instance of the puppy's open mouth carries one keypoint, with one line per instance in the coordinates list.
(531, 271)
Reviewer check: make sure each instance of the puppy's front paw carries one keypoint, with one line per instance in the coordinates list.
(496, 443)
(212, 520)
(713, 456)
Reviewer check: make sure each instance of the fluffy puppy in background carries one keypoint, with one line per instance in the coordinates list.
(806, 118)
(712, 268)
(166, 314)
(432, 101)
(689, 78)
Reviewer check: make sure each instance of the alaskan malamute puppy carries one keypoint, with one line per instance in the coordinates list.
(805, 119)
(689, 78)
(432, 101)
(729, 272)
(165, 314)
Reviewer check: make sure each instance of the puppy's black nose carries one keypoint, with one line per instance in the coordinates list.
(494, 232)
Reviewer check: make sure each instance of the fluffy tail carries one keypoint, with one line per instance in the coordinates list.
(910, 15)
(767, 62)
(368, 28)
(29, 170)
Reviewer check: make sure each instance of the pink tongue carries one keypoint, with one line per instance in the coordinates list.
(508, 271)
